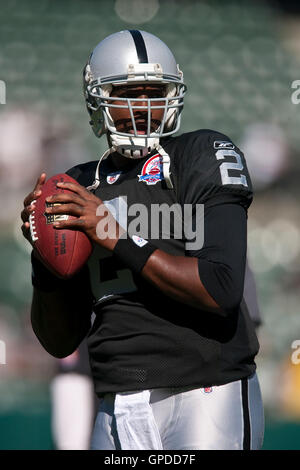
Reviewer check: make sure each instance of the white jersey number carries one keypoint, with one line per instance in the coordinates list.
(226, 166)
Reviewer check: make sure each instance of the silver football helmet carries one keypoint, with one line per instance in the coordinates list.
(125, 58)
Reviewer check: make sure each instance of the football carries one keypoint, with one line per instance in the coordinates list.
(64, 252)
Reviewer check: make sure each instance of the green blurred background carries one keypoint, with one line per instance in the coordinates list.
(239, 60)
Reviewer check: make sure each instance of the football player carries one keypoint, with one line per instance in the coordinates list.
(172, 347)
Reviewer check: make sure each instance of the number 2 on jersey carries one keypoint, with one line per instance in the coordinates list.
(226, 166)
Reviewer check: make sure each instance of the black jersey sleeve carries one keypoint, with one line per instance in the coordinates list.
(211, 170)
(222, 259)
(84, 173)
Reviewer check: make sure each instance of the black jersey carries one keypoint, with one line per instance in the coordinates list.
(141, 338)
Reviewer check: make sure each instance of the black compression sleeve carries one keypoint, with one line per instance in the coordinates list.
(45, 281)
(222, 259)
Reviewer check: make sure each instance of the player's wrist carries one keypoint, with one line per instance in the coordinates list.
(133, 251)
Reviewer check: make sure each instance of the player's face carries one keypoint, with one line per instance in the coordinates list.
(122, 117)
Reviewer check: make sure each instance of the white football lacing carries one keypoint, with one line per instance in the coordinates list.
(33, 232)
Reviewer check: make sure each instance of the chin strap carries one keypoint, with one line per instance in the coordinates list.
(133, 147)
(139, 147)
(97, 179)
(166, 166)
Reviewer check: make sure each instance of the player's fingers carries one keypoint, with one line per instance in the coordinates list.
(26, 231)
(67, 209)
(71, 224)
(65, 198)
(31, 197)
(28, 199)
(37, 191)
(40, 181)
(26, 227)
(76, 188)
(26, 212)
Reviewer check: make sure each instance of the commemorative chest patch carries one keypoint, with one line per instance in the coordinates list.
(152, 171)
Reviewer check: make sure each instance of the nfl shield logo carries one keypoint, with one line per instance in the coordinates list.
(113, 177)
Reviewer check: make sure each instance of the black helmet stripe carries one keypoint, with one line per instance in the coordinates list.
(140, 45)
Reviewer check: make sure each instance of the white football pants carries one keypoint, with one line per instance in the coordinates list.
(225, 417)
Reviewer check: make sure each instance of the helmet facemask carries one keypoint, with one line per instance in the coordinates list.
(133, 57)
(100, 100)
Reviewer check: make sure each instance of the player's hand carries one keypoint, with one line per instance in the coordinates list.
(29, 206)
(91, 215)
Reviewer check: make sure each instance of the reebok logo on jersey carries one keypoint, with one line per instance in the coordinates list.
(152, 170)
(221, 144)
